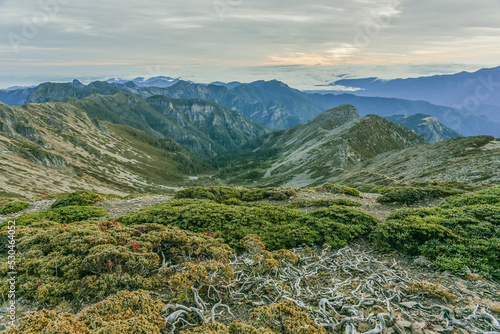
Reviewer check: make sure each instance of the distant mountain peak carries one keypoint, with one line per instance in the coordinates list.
(426, 126)
(157, 81)
(76, 83)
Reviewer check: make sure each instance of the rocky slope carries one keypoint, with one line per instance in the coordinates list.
(271, 103)
(55, 147)
(472, 160)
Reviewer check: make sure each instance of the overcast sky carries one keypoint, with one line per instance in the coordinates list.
(300, 42)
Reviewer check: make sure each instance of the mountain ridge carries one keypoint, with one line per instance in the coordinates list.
(310, 152)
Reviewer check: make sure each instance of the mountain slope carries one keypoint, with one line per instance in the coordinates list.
(60, 92)
(204, 128)
(57, 147)
(227, 128)
(425, 126)
(472, 160)
(271, 103)
(464, 123)
(15, 97)
(327, 145)
(278, 106)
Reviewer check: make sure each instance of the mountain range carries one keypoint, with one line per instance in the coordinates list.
(278, 106)
(340, 146)
(425, 126)
(205, 128)
(476, 93)
(129, 138)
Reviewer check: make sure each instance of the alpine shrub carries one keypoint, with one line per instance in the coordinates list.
(13, 207)
(68, 214)
(80, 197)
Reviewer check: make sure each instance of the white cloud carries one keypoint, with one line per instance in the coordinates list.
(198, 34)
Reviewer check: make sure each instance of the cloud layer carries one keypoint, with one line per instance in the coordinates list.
(102, 38)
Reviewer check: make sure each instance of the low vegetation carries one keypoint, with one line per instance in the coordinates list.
(13, 207)
(221, 194)
(81, 198)
(88, 260)
(338, 189)
(323, 202)
(234, 260)
(67, 214)
(462, 234)
(419, 191)
(126, 312)
(279, 227)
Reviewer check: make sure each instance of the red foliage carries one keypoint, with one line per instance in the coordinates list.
(134, 244)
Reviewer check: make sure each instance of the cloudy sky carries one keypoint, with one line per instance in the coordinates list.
(303, 43)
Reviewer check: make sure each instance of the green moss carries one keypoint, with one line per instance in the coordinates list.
(411, 195)
(340, 224)
(323, 202)
(90, 260)
(485, 196)
(220, 194)
(213, 193)
(456, 239)
(371, 188)
(126, 312)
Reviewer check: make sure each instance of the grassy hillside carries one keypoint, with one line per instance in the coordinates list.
(58, 147)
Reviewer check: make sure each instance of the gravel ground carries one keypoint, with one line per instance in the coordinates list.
(368, 201)
(35, 207)
(116, 207)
